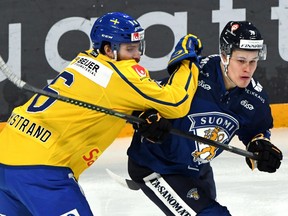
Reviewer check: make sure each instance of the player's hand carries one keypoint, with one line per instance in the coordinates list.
(269, 155)
(156, 128)
(189, 47)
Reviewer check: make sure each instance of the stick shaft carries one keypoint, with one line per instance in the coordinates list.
(131, 119)
(214, 143)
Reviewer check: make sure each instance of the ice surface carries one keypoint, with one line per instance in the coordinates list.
(244, 192)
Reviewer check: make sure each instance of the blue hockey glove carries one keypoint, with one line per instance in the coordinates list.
(156, 128)
(269, 155)
(189, 47)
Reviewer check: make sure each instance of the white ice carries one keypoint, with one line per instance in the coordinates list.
(244, 192)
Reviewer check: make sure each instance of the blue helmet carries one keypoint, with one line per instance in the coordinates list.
(116, 28)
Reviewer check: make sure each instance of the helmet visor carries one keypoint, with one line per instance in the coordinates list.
(254, 45)
(263, 52)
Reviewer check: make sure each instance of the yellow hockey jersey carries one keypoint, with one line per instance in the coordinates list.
(45, 131)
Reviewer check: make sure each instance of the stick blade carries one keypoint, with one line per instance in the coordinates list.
(128, 183)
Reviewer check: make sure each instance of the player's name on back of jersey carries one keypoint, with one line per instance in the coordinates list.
(28, 127)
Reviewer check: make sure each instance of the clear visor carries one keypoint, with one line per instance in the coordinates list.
(139, 37)
(254, 45)
(263, 52)
(142, 47)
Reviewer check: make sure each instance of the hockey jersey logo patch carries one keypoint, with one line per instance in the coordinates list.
(139, 70)
(193, 194)
(93, 70)
(209, 151)
(215, 126)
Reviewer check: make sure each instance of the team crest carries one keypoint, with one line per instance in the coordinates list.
(214, 126)
(193, 193)
(208, 152)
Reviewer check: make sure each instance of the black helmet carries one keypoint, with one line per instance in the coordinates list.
(242, 35)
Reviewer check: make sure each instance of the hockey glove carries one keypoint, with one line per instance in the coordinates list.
(156, 128)
(189, 47)
(269, 155)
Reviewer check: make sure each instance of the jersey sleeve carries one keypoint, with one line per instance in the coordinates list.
(260, 123)
(172, 100)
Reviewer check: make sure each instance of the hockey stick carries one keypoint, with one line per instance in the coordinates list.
(128, 183)
(25, 86)
(131, 119)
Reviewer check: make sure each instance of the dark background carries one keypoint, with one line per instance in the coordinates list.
(37, 17)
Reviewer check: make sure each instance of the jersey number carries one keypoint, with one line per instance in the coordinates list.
(68, 80)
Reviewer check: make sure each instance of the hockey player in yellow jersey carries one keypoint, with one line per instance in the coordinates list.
(46, 144)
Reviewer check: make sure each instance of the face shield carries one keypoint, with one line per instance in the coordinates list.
(139, 37)
(254, 45)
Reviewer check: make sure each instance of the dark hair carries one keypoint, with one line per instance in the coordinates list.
(101, 50)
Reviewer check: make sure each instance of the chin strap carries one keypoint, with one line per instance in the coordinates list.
(225, 64)
(115, 54)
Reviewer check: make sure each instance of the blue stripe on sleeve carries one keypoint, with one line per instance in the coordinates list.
(146, 96)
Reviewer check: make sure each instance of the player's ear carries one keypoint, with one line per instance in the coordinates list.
(108, 51)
